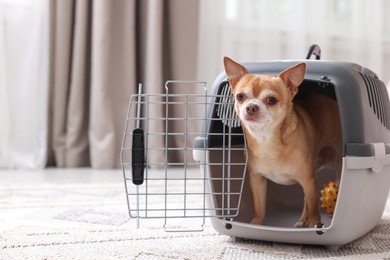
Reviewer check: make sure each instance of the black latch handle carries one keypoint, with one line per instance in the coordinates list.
(138, 145)
(138, 156)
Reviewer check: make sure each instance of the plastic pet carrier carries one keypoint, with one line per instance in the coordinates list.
(159, 188)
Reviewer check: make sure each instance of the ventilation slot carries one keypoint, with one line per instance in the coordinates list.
(226, 111)
(378, 99)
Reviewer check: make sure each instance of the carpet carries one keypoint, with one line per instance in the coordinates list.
(90, 221)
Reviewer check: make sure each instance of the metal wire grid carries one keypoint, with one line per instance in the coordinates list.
(173, 187)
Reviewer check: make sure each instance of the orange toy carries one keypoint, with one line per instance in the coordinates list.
(329, 196)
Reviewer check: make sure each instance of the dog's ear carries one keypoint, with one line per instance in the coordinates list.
(234, 71)
(293, 77)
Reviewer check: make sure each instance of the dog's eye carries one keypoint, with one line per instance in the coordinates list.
(271, 100)
(240, 97)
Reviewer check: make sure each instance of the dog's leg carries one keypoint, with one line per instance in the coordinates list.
(303, 219)
(259, 190)
(310, 214)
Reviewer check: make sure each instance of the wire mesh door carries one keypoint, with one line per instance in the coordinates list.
(179, 156)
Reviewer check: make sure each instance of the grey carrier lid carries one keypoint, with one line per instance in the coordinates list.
(362, 100)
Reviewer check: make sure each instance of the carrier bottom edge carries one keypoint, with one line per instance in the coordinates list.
(326, 236)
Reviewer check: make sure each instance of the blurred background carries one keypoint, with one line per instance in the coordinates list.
(68, 67)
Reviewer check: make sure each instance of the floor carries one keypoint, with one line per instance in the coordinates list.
(57, 176)
(82, 214)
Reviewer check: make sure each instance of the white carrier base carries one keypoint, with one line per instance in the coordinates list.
(362, 196)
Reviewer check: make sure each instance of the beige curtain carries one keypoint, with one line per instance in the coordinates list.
(100, 50)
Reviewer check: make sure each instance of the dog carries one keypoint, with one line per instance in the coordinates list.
(288, 139)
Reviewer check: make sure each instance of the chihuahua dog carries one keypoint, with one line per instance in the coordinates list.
(288, 139)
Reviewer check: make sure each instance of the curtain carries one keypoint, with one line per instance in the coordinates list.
(24, 83)
(250, 30)
(68, 68)
(100, 51)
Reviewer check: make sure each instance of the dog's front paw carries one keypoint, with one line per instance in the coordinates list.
(257, 220)
(303, 223)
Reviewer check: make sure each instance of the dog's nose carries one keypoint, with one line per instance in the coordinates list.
(252, 109)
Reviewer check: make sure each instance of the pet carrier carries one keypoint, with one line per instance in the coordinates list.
(221, 190)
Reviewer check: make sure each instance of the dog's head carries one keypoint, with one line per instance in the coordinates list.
(262, 102)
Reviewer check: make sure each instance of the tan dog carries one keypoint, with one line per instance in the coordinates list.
(287, 139)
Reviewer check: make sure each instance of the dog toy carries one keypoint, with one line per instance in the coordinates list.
(329, 196)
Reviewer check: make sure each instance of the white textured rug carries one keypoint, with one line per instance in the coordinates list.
(90, 221)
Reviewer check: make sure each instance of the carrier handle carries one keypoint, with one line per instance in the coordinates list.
(314, 50)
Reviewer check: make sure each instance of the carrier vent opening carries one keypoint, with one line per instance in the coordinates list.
(225, 109)
(378, 99)
(224, 120)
